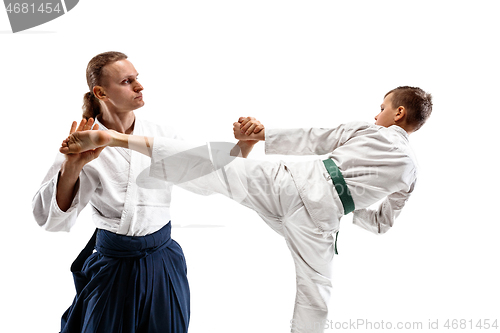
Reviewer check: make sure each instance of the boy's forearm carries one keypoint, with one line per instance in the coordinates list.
(305, 141)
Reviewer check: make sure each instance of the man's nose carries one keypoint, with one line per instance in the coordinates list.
(138, 87)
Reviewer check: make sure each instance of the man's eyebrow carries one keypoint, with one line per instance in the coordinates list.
(130, 75)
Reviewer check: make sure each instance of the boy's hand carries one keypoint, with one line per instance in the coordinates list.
(249, 129)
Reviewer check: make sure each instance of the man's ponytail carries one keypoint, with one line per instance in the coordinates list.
(91, 106)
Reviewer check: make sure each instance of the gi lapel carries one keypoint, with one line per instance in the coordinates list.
(130, 195)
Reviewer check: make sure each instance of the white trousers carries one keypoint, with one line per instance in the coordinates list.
(267, 188)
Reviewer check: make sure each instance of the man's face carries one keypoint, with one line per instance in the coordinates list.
(121, 88)
(387, 113)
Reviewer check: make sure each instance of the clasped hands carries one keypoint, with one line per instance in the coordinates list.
(248, 129)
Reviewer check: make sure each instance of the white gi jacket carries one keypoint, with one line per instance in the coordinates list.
(376, 162)
(108, 183)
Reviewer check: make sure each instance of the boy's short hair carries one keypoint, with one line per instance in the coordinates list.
(417, 102)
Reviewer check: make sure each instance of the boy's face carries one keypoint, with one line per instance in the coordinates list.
(387, 113)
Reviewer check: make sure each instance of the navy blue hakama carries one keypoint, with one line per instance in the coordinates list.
(130, 285)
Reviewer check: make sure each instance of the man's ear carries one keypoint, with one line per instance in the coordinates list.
(99, 92)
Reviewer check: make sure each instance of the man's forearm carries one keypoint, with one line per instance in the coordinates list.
(243, 148)
(67, 184)
(246, 142)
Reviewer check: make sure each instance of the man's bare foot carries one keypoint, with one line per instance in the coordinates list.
(79, 142)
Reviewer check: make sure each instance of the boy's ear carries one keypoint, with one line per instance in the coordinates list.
(400, 114)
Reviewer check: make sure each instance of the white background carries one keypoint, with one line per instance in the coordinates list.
(290, 64)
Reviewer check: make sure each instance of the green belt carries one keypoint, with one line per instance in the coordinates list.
(340, 185)
(342, 190)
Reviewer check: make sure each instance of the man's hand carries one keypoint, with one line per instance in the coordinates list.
(83, 158)
(72, 166)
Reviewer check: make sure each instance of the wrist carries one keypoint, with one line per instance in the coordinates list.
(71, 170)
(245, 147)
(262, 135)
(246, 143)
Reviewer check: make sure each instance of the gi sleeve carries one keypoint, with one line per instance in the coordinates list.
(46, 211)
(379, 221)
(309, 141)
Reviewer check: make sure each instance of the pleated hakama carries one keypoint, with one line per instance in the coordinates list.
(130, 285)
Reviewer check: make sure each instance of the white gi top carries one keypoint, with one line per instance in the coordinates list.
(108, 183)
(376, 163)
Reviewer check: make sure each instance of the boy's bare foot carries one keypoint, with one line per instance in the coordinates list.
(79, 142)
